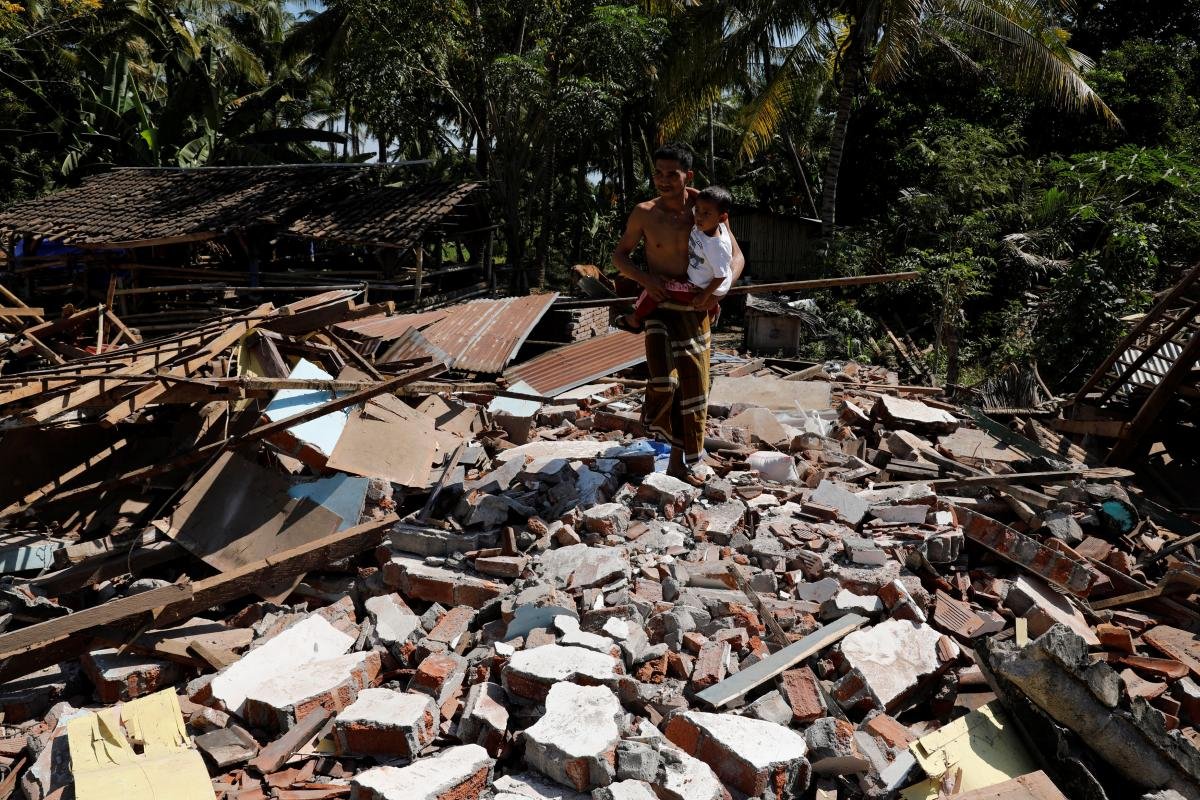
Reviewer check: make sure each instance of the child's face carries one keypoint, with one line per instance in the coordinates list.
(707, 216)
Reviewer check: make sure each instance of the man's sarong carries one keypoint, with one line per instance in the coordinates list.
(677, 354)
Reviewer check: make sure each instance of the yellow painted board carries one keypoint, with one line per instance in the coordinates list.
(982, 744)
(107, 767)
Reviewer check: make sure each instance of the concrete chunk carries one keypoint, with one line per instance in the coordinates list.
(575, 741)
(750, 755)
(530, 673)
(386, 722)
(456, 773)
(120, 677)
(310, 640)
(484, 719)
(416, 579)
(608, 519)
(850, 507)
(285, 697)
(894, 656)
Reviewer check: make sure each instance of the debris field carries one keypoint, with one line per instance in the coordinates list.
(271, 557)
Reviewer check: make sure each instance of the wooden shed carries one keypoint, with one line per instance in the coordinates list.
(778, 247)
(773, 327)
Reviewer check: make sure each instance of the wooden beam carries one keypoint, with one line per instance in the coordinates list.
(190, 365)
(44, 633)
(199, 596)
(763, 288)
(21, 311)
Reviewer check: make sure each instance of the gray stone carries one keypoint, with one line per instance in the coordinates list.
(609, 519)
(526, 618)
(771, 707)
(637, 761)
(1062, 525)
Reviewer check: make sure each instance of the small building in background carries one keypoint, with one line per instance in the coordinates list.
(775, 328)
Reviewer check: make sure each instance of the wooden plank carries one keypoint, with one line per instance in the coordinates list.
(1034, 786)
(1052, 476)
(214, 657)
(190, 365)
(202, 595)
(759, 672)
(44, 633)
(21, 311)
(57, 483)
(1107, 428)
(276, 754)
(761, 288)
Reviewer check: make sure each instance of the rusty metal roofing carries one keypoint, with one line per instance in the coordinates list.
(392, 215)
(126, 206)
(388, 328)
(566, 367)
(477, 336)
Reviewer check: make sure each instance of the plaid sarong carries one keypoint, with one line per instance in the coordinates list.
(678, 344)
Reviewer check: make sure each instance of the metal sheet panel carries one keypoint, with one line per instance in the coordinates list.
(478, 336)
(578, 363)
(389, 328)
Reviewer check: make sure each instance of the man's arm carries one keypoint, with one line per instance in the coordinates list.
(634, 232)
(739, 261)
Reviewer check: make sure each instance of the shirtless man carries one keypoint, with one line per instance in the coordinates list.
(677, 337)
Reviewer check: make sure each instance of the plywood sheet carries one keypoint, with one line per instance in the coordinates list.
(773, 393)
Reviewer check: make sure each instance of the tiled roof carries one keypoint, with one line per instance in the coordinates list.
(388, 214)
(135, 205)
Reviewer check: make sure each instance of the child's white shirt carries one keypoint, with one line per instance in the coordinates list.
(711, 257)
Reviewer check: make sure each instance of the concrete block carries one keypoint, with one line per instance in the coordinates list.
(609, 519)
(285, 697)
(417, 580)
(850, 507)
(575, 741)
(749, 755)
(123, 677)
(685, 777)
(456, 773)
(832, 749)
(637, 761)
(395, 623)
(311, 640)
(894, 656)
(529, 674)
(386, 722)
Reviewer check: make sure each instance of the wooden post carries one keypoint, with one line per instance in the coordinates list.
(487, 261)
(419, 253)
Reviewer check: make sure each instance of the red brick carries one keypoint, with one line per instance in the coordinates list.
(803, 694)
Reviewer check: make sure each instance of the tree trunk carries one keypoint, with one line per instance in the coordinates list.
(837, 145)
(628, 177)
(712, 142)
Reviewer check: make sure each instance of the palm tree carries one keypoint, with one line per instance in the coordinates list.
(875, 42)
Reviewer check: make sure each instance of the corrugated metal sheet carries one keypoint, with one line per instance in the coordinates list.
(575, 364)
(1161, 362)
(388, 328)
(479, 336)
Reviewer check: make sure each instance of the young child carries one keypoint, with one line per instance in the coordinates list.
(710, 261)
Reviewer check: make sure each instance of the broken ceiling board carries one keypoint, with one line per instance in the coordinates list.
(515, 407)
(238, 513)
(344, 495)
(983, 744)
(972, 445)
(27, 552)
(400, 451)
(1178, 644)
(570, 449)
(913, 414)
(775, 664)
(770, 392)
(322, 432)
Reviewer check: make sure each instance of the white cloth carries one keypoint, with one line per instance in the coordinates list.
(711, 257)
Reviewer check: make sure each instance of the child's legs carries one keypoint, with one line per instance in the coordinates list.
(682, 291)
(644, 306)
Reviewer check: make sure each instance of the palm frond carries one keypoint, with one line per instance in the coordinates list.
(902, 30)
(1034, 53)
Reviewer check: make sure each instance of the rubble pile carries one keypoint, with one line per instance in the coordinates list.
(876, 594)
